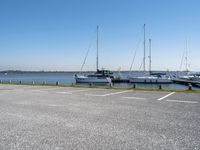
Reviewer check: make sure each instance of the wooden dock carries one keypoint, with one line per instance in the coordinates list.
(186, 82)
(120, 80)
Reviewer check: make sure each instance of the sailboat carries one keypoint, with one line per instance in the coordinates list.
(186, 76)
(152, 78)
(190, 78)
(100, 76)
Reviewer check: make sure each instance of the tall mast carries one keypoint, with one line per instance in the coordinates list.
(144, 58)
(97, 48)
(186, 56)
(149, 55)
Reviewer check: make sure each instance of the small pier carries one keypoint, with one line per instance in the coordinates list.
(186, 82)
(120, 80)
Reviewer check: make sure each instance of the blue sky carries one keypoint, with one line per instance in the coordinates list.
(55, 34)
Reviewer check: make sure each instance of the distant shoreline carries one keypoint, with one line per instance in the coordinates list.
(21, 71)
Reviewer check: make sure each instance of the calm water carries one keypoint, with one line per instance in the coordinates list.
(68, 78)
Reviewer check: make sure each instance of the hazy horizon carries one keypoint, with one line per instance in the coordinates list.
(55, 35)
(93, 70)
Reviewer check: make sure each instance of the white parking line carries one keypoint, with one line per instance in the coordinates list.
(52, 105)
(93, 95)
(134, 98)
(84, 90)
(43, 89)
(178, 101)
(165, 96)
(50, 88)
(19, 116)
(74, 91)
(63, 92)
(109, 94)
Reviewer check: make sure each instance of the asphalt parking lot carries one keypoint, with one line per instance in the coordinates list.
(42, 117)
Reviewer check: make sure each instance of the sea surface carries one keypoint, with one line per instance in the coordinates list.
(67, 78)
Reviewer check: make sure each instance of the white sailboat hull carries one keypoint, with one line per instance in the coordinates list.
(152, 80)
(85, 79)
(198, 84)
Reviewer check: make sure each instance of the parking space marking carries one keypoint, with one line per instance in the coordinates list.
(74, 91)
(39, 89)
(52, 105)
(166, 96)
(47, 89)
(109, 94)
(179, 101)
(93, 95)
(5, 89)
(139, 98)
(63, 92)
(19, 116)
(83, 90)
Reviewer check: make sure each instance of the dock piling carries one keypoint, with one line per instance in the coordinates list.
(90, 84)
(134, 85)
(111, 84)
(190, 86)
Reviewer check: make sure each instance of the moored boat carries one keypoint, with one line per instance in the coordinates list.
(156, 78)
(100, 76)
(151, 78)
(92, 78)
